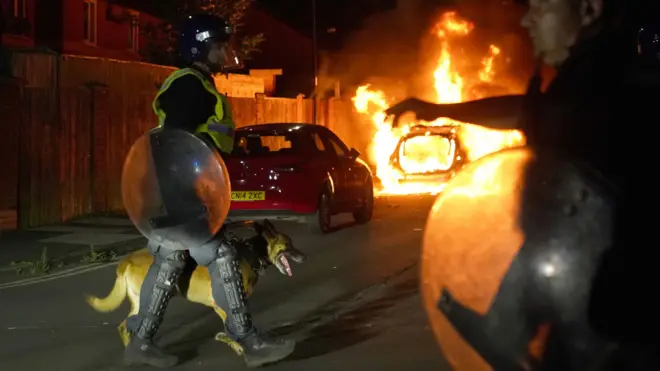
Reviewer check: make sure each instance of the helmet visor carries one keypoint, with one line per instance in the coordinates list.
(221, 48)
(229, 59)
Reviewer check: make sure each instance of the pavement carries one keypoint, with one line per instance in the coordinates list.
(54, 248)
(353, 303)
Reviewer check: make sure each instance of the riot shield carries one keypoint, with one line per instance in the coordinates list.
(175, 188)
(470, 238)
(507, 222)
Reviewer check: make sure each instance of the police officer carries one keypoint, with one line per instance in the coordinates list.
(540, 294)
(189, 101)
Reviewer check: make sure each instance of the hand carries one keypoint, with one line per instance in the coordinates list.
(423, 110)
(282, 260)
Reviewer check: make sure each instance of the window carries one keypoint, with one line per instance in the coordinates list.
(134, 32)
(89, 21)
(339, 149)
(318, 142)
(264, 144)
(18, 8)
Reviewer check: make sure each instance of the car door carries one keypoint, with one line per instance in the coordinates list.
(343, 165)
(326, 160)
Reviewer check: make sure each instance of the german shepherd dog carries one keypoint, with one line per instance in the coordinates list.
(268, 247)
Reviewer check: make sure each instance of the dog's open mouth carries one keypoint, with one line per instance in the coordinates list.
(285, 266)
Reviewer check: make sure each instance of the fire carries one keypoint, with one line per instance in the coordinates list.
(450, 87)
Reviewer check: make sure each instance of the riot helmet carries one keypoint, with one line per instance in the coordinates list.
(210, 40)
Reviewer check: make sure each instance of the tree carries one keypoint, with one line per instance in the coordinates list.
(162, 38)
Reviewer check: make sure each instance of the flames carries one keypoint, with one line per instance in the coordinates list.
(450, 86)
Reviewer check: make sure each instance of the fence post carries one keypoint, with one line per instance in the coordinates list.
(98, 151)
(330, 120)
(260, 100)
(300, 108)
(322, 112)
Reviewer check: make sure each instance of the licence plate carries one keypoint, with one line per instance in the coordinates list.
(248, 196)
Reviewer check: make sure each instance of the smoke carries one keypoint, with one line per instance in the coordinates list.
(498, 22)
(385, 47)
(395, 50)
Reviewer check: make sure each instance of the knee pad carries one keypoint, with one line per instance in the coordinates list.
(176, 260)
(226, 251)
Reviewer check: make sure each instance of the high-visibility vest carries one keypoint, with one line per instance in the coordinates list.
(220, 126)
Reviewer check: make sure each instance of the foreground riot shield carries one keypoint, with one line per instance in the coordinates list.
(510, 253)
(175, 188)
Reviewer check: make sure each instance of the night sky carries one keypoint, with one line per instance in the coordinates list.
(335, 18)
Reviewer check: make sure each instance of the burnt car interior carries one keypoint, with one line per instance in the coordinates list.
(433, 152)
(428, 150)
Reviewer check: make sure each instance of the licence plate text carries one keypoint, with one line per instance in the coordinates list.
(248, 196)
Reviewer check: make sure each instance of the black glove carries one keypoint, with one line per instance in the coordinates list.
(423, 110)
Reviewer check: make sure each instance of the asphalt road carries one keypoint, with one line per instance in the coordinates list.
(48, 326)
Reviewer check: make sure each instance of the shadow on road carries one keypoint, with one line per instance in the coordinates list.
(341, 226)
(188, 349)
(347, 329)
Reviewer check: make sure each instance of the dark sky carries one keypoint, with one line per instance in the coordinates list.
(335, 18)
(330, 13)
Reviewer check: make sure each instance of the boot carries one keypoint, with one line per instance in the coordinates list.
(229, 294)
(155, 294)
(259, 350)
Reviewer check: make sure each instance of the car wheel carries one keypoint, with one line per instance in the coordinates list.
(319, 222)
(364, 213)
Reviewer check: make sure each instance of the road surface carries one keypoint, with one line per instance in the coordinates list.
(354, 303)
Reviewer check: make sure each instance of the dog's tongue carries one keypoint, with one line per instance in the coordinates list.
(285, 263)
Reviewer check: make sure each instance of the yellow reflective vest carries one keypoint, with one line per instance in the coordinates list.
(220, 126)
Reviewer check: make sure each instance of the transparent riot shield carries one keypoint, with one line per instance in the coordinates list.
(175, 188)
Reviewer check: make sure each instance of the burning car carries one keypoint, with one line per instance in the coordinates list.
(413, 159)
(429, 154)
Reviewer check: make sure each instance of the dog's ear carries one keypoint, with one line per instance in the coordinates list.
(271, 228)
(265, 231)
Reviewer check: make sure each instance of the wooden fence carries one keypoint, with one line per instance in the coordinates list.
(63, 149)
(43, 69)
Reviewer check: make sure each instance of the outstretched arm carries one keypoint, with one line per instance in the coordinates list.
(501, 112)
(495, 113)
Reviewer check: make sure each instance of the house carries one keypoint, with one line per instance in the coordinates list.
(96, 41)
(17, 23)
(110, 29)
(84, 27)
(96, 28)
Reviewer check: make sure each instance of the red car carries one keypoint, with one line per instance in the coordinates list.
(299, 172)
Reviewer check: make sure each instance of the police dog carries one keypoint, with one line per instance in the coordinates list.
(268, 247)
